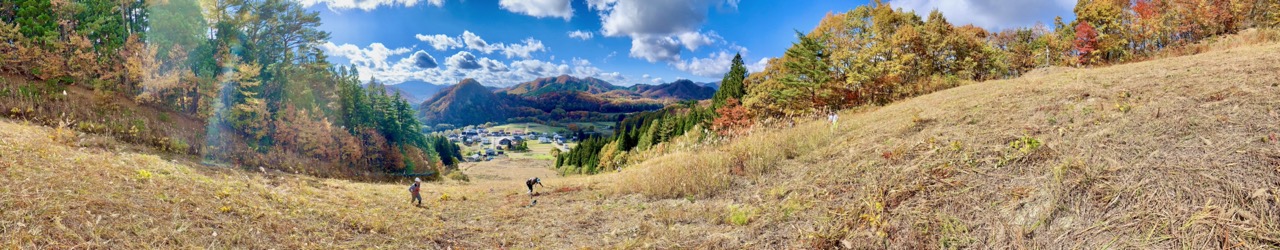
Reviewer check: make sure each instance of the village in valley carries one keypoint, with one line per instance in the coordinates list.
(518, 141)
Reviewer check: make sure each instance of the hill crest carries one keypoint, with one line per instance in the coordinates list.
(467, 102)
(562, 83)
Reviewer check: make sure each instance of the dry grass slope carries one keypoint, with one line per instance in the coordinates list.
(1181, 152)
(1171, 153)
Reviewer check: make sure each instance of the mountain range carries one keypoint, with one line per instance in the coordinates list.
(416, 91)
(562, 98)
(563, 83)
(680, 90)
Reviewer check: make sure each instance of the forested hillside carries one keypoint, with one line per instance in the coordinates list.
(467, 103)
(561, 99)
(560, 84)
(682, 89)
(245, 76)
(876, 54)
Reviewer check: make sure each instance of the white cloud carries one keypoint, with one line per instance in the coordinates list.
(393, 66)
(535, 67)
(718, 63)
(474, 42)
(655, 48)
(714, 66)
(658, 28)
(471, 41)
(423, 60)
(733, 4)
(524, 50)
(610, 56)
(990, 14)
(600, 4)
(581, 62)
(581, 34)
(758, 66)
(493, 65)
(367, 5)
(650, 17)
(440, 42)
(737, 48)
(375, 56)
(539, 8)
(462, 60)
(611, 77)
(374, 61)
(656, 80)
(693, 40)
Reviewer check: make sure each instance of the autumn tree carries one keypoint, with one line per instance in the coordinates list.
(611, 157)
(251, 67)
(249, 114)
(1086, 43)
(1108, 22)
(732, 119)
(807, 72)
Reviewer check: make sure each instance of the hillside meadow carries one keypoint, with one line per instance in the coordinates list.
(1179, 152)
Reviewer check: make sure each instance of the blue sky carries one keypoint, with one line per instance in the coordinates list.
(505, 42)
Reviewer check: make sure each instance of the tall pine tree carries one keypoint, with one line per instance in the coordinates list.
(731, 86)
(809, 70)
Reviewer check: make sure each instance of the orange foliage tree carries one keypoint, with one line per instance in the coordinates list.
(1086, 42)
(733, 119)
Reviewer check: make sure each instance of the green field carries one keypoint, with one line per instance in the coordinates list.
(537, 151)
(527, 127)
(601, 127)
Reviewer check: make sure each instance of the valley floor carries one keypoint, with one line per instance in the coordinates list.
(1172, 153)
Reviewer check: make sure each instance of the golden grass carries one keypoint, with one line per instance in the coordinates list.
(59, 197)
(1158, 154)
(676, 170)
(677, 175)
(1248, 37)
(1169, 153)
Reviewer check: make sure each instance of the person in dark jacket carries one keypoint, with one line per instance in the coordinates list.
(529, 183)
(413, 190)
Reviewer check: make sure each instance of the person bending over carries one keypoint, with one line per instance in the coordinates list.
(529, 183)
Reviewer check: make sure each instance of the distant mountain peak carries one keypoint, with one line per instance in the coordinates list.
(469, 81)
(416, 91)
(467, 102)
(560, 84)
(682, 89)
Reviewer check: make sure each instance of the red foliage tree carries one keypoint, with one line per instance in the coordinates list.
(732, 120)
(1086, 41)
(1145, 9)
